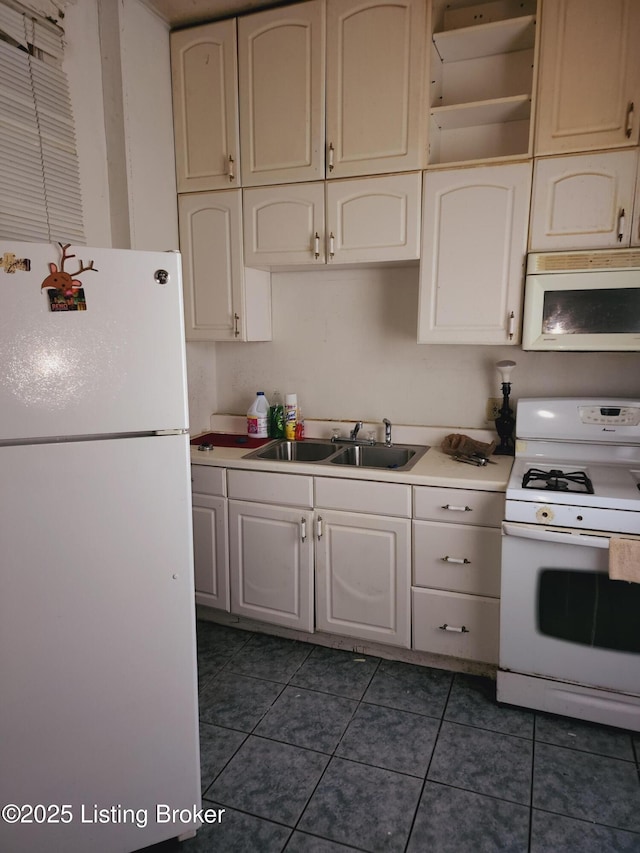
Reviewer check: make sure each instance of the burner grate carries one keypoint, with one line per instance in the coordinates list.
(557, 481)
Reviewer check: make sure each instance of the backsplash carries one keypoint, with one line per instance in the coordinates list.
(345, 342)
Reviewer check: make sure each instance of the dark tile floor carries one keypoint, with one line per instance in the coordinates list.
(315, 750)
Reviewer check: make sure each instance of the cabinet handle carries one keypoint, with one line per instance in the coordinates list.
(319, 527)
(230, 171)
(331, 150)
(331, 245)
(461, 630)
(629, 124)
(316, 245)
(621, 223)
(461, 560)
(512, 325)
(303, 529)
(236, 330)
(457, 508)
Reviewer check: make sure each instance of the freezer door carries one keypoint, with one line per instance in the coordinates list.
(115, 366)
(97, 643)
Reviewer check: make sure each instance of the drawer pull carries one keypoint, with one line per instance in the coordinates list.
(457, 508)
(461, 630)
(460, 560)
(303, 529)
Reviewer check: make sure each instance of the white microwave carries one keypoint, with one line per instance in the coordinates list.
(587, 301)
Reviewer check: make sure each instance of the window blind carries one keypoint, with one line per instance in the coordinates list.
(40, 197)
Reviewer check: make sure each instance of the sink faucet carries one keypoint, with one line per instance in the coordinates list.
(387, 431)
(354, 432)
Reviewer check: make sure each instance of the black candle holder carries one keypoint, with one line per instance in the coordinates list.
(505, 422)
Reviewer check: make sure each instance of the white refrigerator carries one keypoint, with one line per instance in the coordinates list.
(98, 686)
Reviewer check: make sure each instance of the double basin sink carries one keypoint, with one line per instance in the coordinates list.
(399, 457)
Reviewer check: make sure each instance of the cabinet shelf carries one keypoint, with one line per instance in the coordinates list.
(494, 111)
(486, 39)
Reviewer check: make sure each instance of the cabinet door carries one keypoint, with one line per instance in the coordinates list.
(363, 577)
(281, 77)
(205, 107)
(589, 86)
(211, 551)
(583, 201)
(474, 242)
(223, 301)
(375, 85)
(271, 564)
(374, 219)
(284, 224)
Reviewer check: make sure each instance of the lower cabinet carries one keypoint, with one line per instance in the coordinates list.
(363, 571)
(210, 538)
(271, 548)
(413, 567)
(456, 572)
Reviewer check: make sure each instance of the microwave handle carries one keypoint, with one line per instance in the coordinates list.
(541, 534)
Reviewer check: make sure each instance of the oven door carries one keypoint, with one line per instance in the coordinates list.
(561, 617)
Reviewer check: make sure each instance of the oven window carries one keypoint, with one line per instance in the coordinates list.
(588, 608)
(591, 312)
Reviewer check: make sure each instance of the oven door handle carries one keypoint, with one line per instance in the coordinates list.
(542, 534)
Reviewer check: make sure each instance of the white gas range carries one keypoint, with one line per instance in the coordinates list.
(569, 635)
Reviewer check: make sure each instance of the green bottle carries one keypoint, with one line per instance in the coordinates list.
(276, 417)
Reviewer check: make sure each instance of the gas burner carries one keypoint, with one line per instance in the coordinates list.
(557, 481)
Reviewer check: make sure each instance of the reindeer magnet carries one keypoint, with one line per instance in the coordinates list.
(65, 292)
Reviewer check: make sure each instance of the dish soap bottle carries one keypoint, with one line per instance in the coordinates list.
(257, 417)
(276, 417)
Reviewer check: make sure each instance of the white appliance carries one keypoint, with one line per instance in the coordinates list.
(569, 639)
(582, 301)
(98, 707)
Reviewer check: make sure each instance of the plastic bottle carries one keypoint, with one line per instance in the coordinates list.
(276, 417)
(290, 416)
(299, 425)
(257, 417)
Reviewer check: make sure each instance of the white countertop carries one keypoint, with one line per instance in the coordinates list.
(433, 469)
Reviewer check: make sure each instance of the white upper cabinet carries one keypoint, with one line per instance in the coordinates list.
(223, 301)
(371, 54)
(585, 201)
(589, 85)
(474, 241)
(281, 79)
(205, 107)
(359, 220)
(481, 80)
(375, 83)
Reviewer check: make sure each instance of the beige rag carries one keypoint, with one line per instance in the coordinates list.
(624, 559)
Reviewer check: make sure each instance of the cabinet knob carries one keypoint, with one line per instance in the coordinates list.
(316, 245)
(512, 325)
(230, 169)
(331, 151)
(331, 245)
(303, 529)
(621, 224)
(236, 330)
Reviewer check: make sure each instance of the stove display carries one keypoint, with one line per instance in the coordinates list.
(557, 481)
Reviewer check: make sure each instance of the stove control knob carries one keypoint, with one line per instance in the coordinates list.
(545, 513)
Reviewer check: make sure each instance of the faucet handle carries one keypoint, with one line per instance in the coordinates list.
(387, 431)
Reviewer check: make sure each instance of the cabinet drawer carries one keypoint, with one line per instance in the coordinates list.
(208, 480)
(364, 496)
(459, 559)
(458, 506)
(265, 487)
(480, 617)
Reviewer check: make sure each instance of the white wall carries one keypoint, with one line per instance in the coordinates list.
(345, 342)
